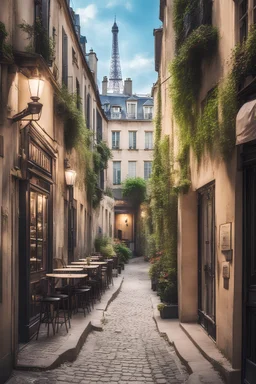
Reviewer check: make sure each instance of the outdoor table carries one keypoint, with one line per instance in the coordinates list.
(91, 263)
(68, 269)
(98, 263)
(83, 266)
(67, 276)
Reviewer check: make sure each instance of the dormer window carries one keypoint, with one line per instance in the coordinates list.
(106, 107)
(131, 109)
(148, 112)
(115, 112)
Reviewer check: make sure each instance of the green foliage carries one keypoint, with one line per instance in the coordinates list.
(181, 10)
(107, 251)
(5, 48)
(135, 190)
(123, 252)
(103, 244)
(39, 40)
(101, 241)
(77, 136)
(186, 72)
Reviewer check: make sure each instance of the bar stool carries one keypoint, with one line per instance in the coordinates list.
(82, 299)
(64, 308)
(49, 312)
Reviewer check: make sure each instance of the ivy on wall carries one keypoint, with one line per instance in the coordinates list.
(210, 125)
(39, 40)
(76, 135)
(5, 48)
(163, 210)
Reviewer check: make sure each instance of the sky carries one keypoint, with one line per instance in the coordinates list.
(136, 20)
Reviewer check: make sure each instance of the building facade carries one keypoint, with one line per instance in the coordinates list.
(44, 216)
(216, 259)
(130, 136)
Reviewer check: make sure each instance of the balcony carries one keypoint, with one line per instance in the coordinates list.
(131, 116)
(148, 116)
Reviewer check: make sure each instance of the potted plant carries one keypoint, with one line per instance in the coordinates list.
(168, 311)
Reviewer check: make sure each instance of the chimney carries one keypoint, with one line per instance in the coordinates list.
(128, 86)
(92, 61)
(105, 85)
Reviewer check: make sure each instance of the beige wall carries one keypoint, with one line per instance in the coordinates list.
(228, 186)
(124, 154)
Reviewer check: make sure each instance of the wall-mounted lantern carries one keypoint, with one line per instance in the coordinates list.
(36, 85)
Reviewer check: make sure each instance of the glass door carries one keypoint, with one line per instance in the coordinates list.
(38, 244)
(206, 265)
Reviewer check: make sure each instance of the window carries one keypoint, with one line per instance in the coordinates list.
(148, 140)
(132, 140)
(148, 113)
(131, 110)
(115, 140)
(85, 101)
(38, 231)
(254, 11)
(78, 99)
(74, 57)
(115, 113)
(64, 58)
(243, 19)
(131, 168)
(88, 117)
(147, 169)
(99, 127)
(116, 172)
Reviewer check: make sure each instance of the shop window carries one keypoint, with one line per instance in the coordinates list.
(38, 231)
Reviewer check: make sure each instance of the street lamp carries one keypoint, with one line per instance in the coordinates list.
(70, 177)
(36, 85)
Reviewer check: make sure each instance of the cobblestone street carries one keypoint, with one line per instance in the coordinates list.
(129, 350)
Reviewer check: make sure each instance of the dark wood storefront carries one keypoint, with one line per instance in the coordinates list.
(249, 264)
(36, 224)
(206, 259)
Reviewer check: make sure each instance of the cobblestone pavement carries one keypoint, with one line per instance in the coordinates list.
(129, 350)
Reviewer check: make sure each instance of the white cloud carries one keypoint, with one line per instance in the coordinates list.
(116, 3)
(88, 13)
(140, 62)
(128, 6)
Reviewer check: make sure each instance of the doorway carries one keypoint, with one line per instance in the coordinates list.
(206, 259)
(249, 266)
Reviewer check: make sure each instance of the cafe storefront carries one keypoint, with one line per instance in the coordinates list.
(35, 225)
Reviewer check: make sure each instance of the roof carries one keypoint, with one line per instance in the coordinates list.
(149, 102)
(120, 100)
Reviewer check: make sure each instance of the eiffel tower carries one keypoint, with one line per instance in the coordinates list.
(115, 84)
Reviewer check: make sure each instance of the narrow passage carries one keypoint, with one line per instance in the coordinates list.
(129, 350)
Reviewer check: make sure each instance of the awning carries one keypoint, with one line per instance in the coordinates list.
(246, 123)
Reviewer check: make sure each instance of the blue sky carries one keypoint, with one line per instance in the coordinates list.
(136, 20)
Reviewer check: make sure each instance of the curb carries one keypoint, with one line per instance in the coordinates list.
(70, 354)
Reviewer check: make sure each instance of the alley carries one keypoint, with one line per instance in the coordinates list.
(129, 350)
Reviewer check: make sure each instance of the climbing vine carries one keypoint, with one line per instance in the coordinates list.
(210, 125)
(78, 137)
(39, 40)
(5, 48)
(163, 209)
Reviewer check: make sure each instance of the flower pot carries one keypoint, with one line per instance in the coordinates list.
(170, 311)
